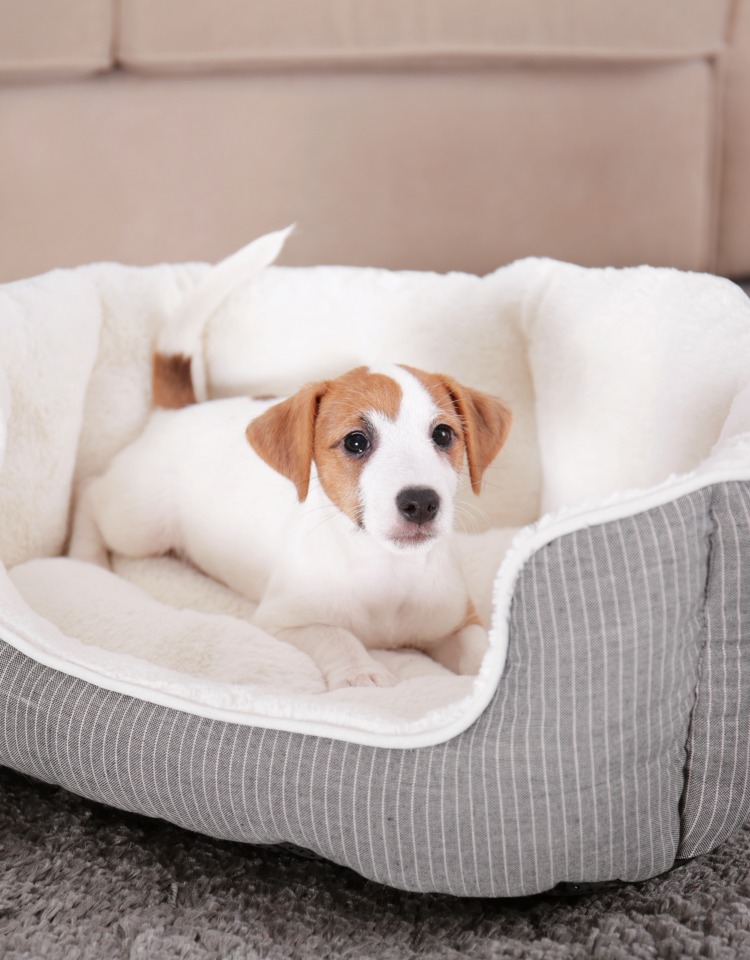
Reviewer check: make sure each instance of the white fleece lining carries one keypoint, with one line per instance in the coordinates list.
(617, 380)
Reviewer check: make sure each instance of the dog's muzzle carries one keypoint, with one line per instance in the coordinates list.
(418, 505)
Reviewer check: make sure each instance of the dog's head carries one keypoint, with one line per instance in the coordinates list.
(388, 446)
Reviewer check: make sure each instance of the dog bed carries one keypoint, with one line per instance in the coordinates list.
(606, 735)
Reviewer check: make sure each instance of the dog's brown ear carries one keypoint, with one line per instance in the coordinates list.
(486, 424)
(283, 436)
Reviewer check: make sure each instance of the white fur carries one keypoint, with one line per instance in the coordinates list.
(191, 484)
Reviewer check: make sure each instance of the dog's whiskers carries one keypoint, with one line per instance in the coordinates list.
(472, 522)
(473, 508)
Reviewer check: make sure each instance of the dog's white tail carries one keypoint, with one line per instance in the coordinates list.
(179, 370)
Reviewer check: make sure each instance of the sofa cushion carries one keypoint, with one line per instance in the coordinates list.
(182, 34)
(411, 169)
(48, 38)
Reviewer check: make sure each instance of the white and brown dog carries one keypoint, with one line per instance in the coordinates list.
(332, 508)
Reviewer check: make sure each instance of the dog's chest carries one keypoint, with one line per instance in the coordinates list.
(394, 602)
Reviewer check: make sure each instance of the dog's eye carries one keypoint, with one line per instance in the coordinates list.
(442, 435)
(356, 443)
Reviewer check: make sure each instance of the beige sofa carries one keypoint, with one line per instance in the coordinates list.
(437, 134)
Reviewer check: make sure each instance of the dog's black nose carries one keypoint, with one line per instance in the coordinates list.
(418, 504)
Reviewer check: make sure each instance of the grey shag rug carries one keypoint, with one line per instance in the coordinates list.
(78, 880)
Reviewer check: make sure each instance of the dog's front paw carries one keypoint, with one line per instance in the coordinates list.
(371, 676)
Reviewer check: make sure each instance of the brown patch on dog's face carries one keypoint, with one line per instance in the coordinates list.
(437, 387)
(330, 423)
(343, 413)
(484, 422)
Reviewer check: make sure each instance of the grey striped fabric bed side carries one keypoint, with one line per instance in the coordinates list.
(717, 796)
(573, 773)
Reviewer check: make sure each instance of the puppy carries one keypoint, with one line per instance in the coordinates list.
(332, 508)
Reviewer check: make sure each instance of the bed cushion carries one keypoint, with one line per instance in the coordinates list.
(604, 734)
(574, 772)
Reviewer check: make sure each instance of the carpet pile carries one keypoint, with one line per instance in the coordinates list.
(78, 880)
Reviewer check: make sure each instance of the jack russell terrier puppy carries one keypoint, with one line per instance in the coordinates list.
(332, 508)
